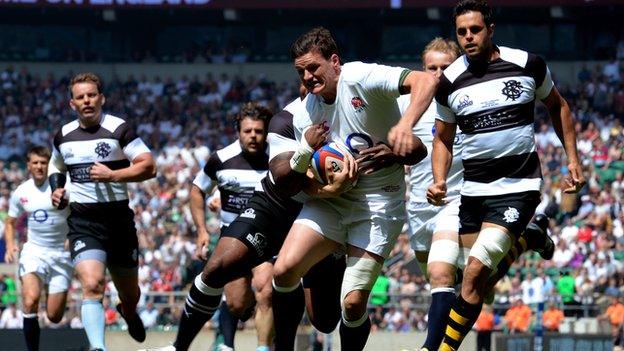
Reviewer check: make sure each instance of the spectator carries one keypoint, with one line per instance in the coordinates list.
(518, 317)
(552, 318)
(484, 326)
(149, 316)
(11, 318)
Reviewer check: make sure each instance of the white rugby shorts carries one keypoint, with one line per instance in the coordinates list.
(372, 224)
(52, 265)
(425, 219)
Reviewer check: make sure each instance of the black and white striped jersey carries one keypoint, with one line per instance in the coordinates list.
(281, 138)
(236, 174)
(112, 142)
(493, 105)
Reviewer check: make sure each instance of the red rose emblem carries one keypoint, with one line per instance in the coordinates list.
(357, 102)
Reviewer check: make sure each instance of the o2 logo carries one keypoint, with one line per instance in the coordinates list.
(40, 216)
(358, 141)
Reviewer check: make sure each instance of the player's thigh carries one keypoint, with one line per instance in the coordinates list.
(302, 249)
(60, 273)
(32, 286)
(512, 211)
(91, 273)
(375, 225)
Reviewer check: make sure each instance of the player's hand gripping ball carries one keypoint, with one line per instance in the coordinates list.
(329, 156)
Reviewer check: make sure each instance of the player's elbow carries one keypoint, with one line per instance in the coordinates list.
(150, 170)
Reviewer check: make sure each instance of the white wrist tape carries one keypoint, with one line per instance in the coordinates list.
(300, 161)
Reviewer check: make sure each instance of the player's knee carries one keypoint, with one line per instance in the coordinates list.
(263, 297)
(491, 247)
(93, 287)
(359, 278)
(326, 320)
(55, 316)
(30, 302)
(216, 274)
(239, 307)
(441, 275)
(354, 304)
(284, 275)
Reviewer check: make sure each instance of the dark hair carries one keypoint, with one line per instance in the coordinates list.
(318, 39)
(254, 111)
(482, 6)
(86, 77)
(39, 151)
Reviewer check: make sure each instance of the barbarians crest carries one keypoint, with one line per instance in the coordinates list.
(512, 89)
(511, 215)
(102, 149)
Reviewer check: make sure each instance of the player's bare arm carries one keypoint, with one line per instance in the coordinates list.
(381, 155)
(441, 158)
(198, 212)
(286, 175)
(142, 168)
(563, 122)
(9, 240)
(422, 87)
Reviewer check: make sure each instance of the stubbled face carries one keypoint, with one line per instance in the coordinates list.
(252, 135)
(87, 101)
(474, 37)
(318, 74)
(435, 62)
(38, 167)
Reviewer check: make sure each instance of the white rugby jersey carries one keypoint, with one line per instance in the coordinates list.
(112, 142)
(421, 174)
(236, 174)
(494, 107)
(47, 226)
(364, 111)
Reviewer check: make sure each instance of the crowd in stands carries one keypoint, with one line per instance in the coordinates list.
(184, 120)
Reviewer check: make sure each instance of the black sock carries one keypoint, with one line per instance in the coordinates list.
(460, 320)
(353, 338)
(228, 323)
(442, 299)
(198, 309)
(288, 309)
(31, 331)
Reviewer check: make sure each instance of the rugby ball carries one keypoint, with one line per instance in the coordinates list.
(329, 156)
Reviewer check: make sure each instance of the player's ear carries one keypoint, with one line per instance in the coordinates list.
(72, 104)
(103, 99)
(335, 60)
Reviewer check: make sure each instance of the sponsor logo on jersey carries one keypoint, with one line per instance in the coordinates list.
(68, 154)
(464, 102)
(40, 216)
(102, 149)
(512, 89)
(23, 200)
(511, 215)
(258, 241)
(391, 188)
(78, 245)
(249, 213)
(358, 104)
